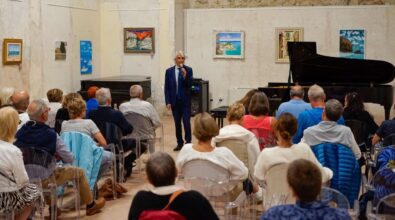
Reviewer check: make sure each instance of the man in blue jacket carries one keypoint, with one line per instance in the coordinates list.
(178, 81)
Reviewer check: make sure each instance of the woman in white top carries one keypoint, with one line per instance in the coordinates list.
(16, 193)
(235, 131)
(204, 130)
(285, 151)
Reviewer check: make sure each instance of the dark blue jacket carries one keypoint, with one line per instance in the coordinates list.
(36, 134)
(107, 114)
(171, 86)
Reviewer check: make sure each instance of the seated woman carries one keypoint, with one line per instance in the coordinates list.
(55, 97)
(205, 128)
(76, 109)
(259, 122)
(62, 114)
(285, 151)
(162, 172)
(16, 193)
(247, 99)
(235, 131)
(304, 179)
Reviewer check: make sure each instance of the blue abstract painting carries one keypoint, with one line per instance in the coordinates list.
(86, 57)
(352, 44)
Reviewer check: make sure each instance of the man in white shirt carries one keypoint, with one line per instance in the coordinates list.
(329, 131)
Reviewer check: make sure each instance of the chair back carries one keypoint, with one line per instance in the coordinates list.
(386, 206)
(360, 131)
(346, 171)
(276, 189)
(389, 140)
(334, 198)
(39, 164)
(142, 126)
(111, 132)
(238, 147)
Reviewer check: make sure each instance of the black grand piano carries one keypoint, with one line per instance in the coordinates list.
(337, 76)
(119, 86)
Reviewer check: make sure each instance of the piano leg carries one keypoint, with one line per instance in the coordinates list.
(387, 110)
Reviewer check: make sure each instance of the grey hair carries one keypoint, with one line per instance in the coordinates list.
(40, 106)
(103, 95)
(296, 91)
(5, 95)
(136, 91)
(316, 93)
(179, 53)
(333, 109)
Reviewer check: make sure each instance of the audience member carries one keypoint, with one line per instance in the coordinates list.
(16, 193)
(354, 109)
(92, 103)
(20, 101)
(161, 173)
(138, 105)
(329, 131)
(304, 179)
(259, 122)
(296, 105)
(204, 130)
(235, 131)
(77, 109)
(63, 114)
(386, 128)
(5, 96)
(35, 133)
(285, 151)
(55, 97)
(105, 113)
(313, 116)
(247, 99)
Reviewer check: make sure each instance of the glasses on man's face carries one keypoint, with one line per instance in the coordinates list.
(20, 122)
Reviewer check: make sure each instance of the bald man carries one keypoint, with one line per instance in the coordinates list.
(296, 105)
(20, 101)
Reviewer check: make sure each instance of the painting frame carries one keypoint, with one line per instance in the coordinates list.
(16, 48)
(353, 45)
(229, 36)
(281, 55)
(150, 43)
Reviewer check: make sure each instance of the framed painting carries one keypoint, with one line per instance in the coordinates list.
(229, 44)
(139, 40)
(12, 51)
(352, 44)
(60, 50)
(86, 57)
(283, 36)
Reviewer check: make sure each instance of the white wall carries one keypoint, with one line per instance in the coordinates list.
(321, 24)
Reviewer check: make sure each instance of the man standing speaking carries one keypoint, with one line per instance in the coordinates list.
(178, 82)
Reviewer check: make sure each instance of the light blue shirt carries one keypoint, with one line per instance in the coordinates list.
(293, 106)
(177, 72)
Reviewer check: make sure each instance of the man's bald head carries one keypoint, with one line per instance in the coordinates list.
(296, 91)
(20, 100)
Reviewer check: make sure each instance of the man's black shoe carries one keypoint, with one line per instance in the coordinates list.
(178, 148)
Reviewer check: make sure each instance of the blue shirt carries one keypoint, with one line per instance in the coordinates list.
(386, 128)
(305, 211)
(293, 106)
(307, 119)
(91, 104)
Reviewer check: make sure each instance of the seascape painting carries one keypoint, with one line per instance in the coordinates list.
(12, 51)
(139, 40)
(229, 44)
(352, 44)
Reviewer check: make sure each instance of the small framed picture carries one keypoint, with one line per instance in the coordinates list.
(229, 44)
(139, 40)
(12, 51)
(283, 36)
(352, 43)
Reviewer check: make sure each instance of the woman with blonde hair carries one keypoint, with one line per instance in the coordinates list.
(16, 193)
(5, 96)
(204, 130)
(63, 114)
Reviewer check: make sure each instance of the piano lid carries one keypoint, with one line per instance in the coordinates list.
(308, 67)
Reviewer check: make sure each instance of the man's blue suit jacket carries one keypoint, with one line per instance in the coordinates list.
(171, 86)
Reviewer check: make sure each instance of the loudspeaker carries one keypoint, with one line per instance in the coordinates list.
(199, 96)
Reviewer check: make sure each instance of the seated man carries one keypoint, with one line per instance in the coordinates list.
(296, 105)
(138, 105)
(20, 101)
(304, 179)
(105, 113)
(162, 172)
(385, 129)
(35, 133)
(313, 116)
(329, 131)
